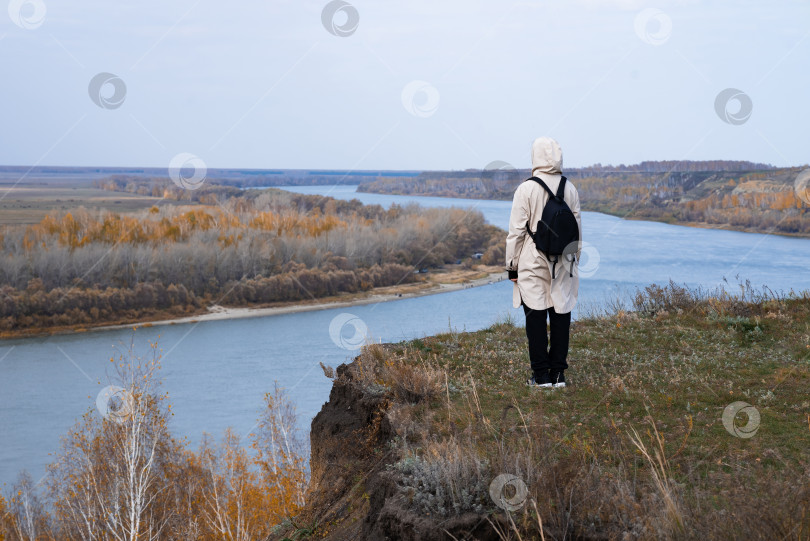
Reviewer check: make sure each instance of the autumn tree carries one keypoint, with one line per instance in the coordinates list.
(121, 476)
(110, 477)
(23, 517)
(237, 506)
(247, 494)
(281, 453)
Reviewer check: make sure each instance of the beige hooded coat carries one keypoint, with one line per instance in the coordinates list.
(534, 286)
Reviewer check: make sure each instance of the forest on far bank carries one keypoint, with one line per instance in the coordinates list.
(235, 248)
(737, 195)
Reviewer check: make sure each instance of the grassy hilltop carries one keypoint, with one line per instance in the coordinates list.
(634, 448)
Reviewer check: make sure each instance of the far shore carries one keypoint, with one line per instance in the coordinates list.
(618, 214)
(442, 281)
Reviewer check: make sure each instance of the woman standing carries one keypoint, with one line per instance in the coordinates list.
(547, 289)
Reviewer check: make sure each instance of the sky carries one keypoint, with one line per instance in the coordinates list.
(394, 84)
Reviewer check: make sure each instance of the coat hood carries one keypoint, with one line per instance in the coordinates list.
(547, 159)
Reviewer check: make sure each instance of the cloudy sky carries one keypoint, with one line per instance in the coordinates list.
(395, 84)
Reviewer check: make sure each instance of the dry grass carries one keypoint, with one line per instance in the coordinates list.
(444, 478)
(408, 382)
(740, 300)
(672, 518)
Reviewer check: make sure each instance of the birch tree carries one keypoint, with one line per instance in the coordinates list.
(110, 477)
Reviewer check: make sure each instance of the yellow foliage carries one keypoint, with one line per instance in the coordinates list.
(5, 519)
(226, 491)
(83, 229)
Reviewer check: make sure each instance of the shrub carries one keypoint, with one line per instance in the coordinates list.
(446, 479)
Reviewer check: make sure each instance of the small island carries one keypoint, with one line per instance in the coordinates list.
(177, 255)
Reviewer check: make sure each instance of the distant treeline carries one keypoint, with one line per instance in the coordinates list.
(730, 195)
(154, 182)
(672, 166)
(252, 248)
(232, 177)
(162, 187)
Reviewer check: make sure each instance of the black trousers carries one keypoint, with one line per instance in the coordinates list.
(547, 354)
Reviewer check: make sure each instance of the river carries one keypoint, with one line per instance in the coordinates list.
(217, 372)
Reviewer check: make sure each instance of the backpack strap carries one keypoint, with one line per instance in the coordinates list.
(543, 184)
(550, 193)
(560, 189)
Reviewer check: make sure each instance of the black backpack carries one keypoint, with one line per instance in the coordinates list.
(557, 230)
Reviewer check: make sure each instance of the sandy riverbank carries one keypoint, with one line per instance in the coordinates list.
(446, 279)
(384, 294)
